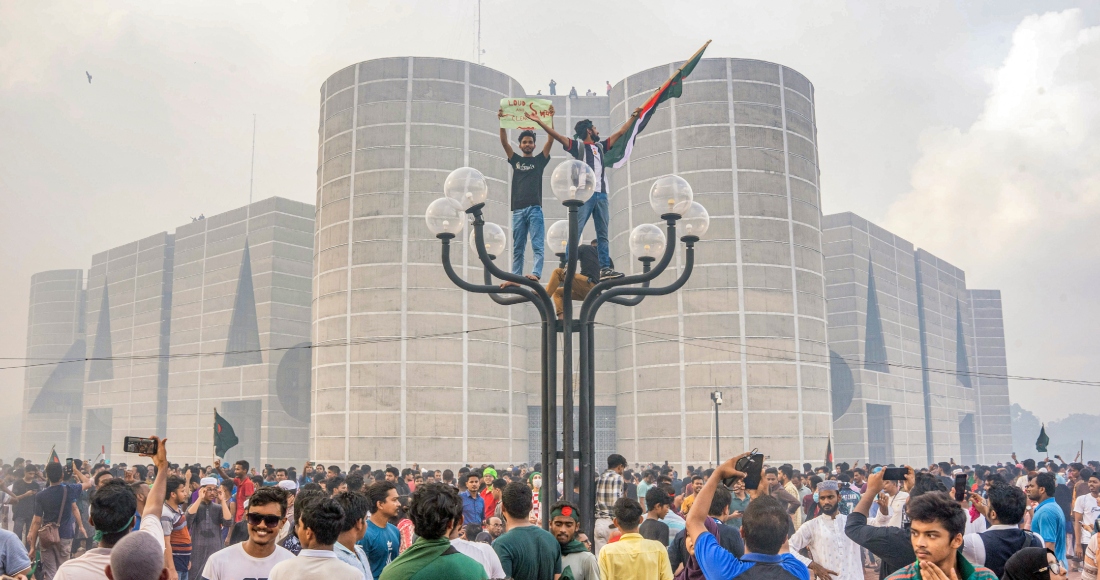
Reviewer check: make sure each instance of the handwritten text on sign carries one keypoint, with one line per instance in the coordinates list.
(516, 109)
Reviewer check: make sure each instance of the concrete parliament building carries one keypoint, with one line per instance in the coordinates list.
(812, 327)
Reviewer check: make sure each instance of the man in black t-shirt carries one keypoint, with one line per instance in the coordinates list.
(526, 197)
(24, 490)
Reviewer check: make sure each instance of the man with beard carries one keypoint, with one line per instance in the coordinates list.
(205, 519)
(575, 557)
(832, 553)
(256, 556)
(1049, 521)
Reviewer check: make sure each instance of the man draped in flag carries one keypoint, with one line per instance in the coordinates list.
(614, 152)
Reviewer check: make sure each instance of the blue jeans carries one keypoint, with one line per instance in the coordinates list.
(524, 221)
(597, 206)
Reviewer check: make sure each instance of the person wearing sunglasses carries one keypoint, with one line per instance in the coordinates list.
(256, 556)
(1034, 564)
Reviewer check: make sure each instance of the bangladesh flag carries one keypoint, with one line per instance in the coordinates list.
(673, 87)
(224, 437)
(53, 455)
(829, 455)
(1042, 442)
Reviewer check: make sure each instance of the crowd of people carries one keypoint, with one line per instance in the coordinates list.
(1015, 520)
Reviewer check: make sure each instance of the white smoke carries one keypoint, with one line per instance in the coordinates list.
(1014, 199)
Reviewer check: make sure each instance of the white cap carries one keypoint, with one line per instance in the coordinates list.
(1042, 470)
(208, 481)
(957, 472)
(288, 484)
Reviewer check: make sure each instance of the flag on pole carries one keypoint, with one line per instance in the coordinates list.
(224, 437)
(53, 455)
(672, 88)
(1042, 442)
(829, 455)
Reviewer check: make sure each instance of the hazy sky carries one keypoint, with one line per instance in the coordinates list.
(968, 128)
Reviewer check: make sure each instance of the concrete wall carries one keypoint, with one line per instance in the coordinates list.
(752, 317)
(995, 428)
(854, 248)
(241, 295)
(52, 393)
(390, 132)
(128, 396)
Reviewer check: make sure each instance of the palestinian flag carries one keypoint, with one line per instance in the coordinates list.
(224, 437)
(673, 87)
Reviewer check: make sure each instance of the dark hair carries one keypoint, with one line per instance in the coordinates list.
(470, 475)
(282, 469)
(355, 482)
(335, 469)
(136, 487)
(814, 480)
(355, 508)
(325, 518)
(628, 512)
(516, 499)
(269, 495)
(394, 471)
(1009, 502)
(615, 460)
(1045, 482)
(448, 475)
(332, 484)
(721, 500)
(995, 479)
(471, 531)
(112, 507)
(311, 486)
(1029, 464)
(243, 464)
(581, 128)
(696, 476)
(924, 483)
(527, 133)
(53, 472)
(1087, 473)
(378, 492)
(654, 497)
(174, 483)
(786, 470)
(937, 507)
(100, 475)
(764, 525)
(433, 508)
(771, 471)
(305, 497)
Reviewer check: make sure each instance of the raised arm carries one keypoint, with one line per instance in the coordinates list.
(696, 519)
(550, 130)
(221, 472)
(85, 482)
(549, 141)
(154, 503)
(508, 151)
(622, 130)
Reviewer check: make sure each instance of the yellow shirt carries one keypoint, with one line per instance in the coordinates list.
(686, 504)
(636, 558)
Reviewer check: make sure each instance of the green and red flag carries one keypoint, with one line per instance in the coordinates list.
(829, 455)
(224, 437)
(53, 455)
(672, 88)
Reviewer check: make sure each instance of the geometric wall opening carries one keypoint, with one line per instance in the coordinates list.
(63, 391)
(245, 417)
(97, 433)
(968, 440)
(874, 357)
(243, 347)
(843, 385)
(880, 439)
(292, 382)
(962, 367)
(101, 368)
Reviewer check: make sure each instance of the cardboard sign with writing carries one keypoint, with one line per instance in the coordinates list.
(515, 110)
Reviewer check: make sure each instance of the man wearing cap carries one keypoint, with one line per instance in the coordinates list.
(833, 553)
(205, 519)
(575, 557)
(487, 491)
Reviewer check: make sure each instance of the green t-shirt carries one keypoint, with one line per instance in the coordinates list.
(453, 567)
(529, 553)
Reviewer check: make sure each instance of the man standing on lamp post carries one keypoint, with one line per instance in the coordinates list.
(527, 216)
(588, 147)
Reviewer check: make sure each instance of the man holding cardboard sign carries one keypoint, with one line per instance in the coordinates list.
(527, 172)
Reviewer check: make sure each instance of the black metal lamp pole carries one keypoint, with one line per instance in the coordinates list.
(446, 221)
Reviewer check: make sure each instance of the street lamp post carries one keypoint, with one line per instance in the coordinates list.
(716, 396)
(573, 183)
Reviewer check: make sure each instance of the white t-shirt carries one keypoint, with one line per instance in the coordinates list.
(314, 565)
(1086, 506)
(90, 566)
(481, 553)
(233, 563)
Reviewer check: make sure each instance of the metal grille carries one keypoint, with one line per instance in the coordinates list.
(606, 439)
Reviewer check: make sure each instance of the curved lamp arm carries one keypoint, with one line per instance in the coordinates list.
(646, 275)
(463, 284)
(588, 312)
(525, 294)
(635, 300)
(479, 241)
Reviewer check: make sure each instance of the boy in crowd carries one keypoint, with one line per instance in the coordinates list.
(258, 555)
(319, 526)
(565, 520)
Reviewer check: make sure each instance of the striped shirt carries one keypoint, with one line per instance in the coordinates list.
(967, 571)
(592, 154)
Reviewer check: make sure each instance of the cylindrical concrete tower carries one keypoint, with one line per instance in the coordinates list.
(751, 321)
(409, 367)
(53, 393)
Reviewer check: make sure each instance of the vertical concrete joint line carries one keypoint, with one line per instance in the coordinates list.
(465, 275)
(351, 262)
(740, 262)
(405, 264)
(794, 266)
